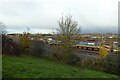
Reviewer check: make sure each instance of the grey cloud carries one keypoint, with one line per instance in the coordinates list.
(43, 14)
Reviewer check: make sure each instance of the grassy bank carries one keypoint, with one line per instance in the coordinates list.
(29, 67)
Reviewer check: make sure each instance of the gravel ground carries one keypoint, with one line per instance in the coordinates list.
(83, 54)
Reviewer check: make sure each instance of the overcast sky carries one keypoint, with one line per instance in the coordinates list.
(42, 15)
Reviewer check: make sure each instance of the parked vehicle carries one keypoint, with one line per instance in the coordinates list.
(54, 42)
(116, 51)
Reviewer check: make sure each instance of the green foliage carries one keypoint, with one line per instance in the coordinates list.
(103, 52)
(88, 63)
(29, 67)
(25, 42)
(99, 64)
(103, 43)
(113, 64)
(62, 53)
(57, 53)
(109, 64)
(73, 59)
(96, 64)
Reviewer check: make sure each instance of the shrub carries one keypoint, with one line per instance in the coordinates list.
(113, 64)
(25, 42)
(73, 59)
(57, 53)
(10, 47)
(103, 52)
(60, 53)
(38, 49)
(109, 64)
(99, 64)
(88, 63)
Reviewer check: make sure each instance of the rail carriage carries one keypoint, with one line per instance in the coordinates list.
(90, 46)
(87, 46)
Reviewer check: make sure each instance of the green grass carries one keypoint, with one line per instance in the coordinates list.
(30, 67)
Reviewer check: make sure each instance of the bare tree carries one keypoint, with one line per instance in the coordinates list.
(68, 26)
(68, 29)
(2, 29)
(67, 32)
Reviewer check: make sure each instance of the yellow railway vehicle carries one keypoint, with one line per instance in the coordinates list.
(86, 47)
(90, 48)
